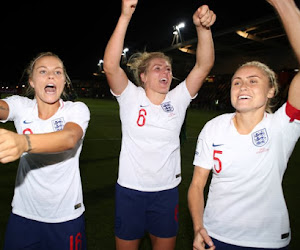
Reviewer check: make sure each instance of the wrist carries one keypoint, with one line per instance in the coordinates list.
(28, 142)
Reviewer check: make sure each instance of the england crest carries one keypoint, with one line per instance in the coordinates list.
(58, 124)
(167, 107)
(260, 137)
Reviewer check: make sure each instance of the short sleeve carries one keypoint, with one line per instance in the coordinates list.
(181, 96)
(292, 112)
(203, 156)
(79, 114)
(15, 104)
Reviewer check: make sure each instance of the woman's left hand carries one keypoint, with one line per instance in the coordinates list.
(204, 17)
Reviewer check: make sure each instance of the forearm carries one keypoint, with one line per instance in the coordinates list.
(54, 142)
(205, 54)
(290, 17)
(196, 207)
(205, 57)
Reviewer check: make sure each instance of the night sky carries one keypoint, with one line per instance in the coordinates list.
(78, 33)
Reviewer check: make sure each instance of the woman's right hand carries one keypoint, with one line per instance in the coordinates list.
(201, 239)
(128, 7)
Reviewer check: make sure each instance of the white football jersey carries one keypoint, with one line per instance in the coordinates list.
(245, 205)
(150, 152)
(48, 186)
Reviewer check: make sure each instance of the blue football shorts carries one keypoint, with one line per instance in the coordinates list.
(22, 233)
(137, 212)
(225, 246)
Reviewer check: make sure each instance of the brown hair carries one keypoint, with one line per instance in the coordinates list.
(30, 68)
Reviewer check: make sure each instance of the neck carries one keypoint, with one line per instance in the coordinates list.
(246, 122)
(155, 98)
(46, 110)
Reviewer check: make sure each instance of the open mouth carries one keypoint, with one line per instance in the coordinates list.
(50, 88)
(163, 80)
(244, 97)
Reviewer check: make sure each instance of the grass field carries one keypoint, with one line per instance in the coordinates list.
(99, 167)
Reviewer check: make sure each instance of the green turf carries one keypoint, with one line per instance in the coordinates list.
(99, 166)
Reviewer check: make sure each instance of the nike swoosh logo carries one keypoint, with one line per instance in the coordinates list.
(217, 145)
(27, 122)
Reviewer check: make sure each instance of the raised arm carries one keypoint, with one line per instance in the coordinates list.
(196, 207)
(4, 110)
(13, 145)
(290, 18)
(203, 19)
(116, 77)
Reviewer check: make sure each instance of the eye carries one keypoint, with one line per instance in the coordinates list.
(253, 81)
(58, 72)
(236, 83)
(42, 72)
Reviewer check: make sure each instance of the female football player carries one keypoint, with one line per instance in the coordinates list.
(151, 116)
(47, 207)
(248, 152)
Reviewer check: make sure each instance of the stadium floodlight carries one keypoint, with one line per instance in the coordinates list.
(176, 33)
(180, 26)
(100, 65)
(100, 62)
(124, 57)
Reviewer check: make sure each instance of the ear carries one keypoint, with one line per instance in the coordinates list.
(143, 77)
(271, 93)
(31, 83)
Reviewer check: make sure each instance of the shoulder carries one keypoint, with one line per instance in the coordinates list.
(180, 89)
(75, 105)
(131, 87)
(220, 120)
(218, 125)
(75, 108)
(20, 99)
(16, 101)
(130, 95)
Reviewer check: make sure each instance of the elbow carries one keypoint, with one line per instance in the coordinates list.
(70, 142)
(109, 68)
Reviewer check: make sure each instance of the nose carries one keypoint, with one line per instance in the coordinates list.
(244, 86)
(50, 75)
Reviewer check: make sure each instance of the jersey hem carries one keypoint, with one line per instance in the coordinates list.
(48, 220)
(249, 244)
(149, 189)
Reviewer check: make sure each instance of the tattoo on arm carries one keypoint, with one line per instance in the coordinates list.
(28, 143)
(3, 108)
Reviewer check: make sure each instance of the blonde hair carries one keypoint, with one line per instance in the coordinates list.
(139, 63)
(273, 82)
(30, 68)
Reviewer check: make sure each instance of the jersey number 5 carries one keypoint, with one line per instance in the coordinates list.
(142, 118)
(218, 167)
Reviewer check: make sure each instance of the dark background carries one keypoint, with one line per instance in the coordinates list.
(78, 32)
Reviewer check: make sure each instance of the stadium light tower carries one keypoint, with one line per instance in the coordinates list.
(124, 57)
(100, 64)
(177, 34)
